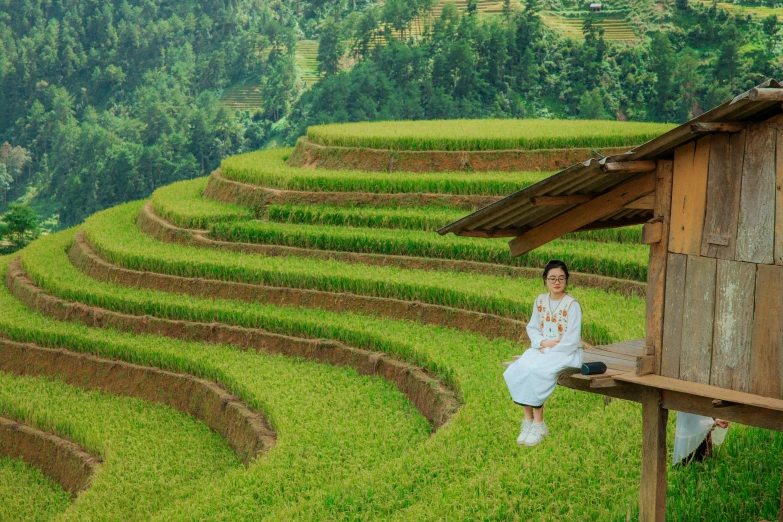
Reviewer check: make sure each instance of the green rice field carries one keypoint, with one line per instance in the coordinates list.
(490, 134)
(268, 168)
(349, 446)
(27, 494)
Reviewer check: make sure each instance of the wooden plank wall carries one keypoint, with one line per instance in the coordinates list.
(727, 152)
(689, 195)
(756, 225)
(779, 199)
(766, 360)
(736, 283)
(723, 300)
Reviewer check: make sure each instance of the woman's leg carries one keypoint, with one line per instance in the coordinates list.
(538, 414)
(528, 412)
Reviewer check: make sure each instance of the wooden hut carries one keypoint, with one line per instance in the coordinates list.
(710, 196)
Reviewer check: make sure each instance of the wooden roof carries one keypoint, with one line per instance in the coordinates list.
(610, 192)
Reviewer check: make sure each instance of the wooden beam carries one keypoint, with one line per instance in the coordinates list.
(615, 223)
(704, 390)
(741, 413)
(629, 167)
(652, 496)
(656, 268)
(747, 414)
(584, 214)
(644, 203)
(779, 199)
(605, 382)
(705, 128)
(652, 233)
(645, 364)
(489, 234)
(552, 201)
(765, 94)
(720, 403)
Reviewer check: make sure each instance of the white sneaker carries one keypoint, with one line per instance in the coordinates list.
(526, 425)
(537, 433)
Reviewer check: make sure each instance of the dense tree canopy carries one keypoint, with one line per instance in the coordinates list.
(113, 99)
(467, 66)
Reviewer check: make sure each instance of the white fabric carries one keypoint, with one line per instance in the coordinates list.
(531, 379)
(691, 431)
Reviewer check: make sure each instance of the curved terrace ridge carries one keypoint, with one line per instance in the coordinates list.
(311, 154)
(84, 257)
(222, 189)
(436, 402)
(162, 230)
(65, 462)
(246, 431)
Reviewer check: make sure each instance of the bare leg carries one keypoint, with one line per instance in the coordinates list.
(528, 412)
(538, 414)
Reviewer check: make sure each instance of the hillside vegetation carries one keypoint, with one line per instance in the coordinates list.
(323, 301)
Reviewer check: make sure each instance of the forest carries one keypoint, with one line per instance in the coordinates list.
(102, 103)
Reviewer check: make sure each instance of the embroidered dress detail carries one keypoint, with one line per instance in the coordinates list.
(532, 378)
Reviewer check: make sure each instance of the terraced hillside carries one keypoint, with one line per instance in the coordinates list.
(307, 62)
(244, 96)
(616, 27)
(289, 343)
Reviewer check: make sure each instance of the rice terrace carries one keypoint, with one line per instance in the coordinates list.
(290, 339)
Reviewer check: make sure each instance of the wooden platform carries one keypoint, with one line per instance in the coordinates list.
(621, 381)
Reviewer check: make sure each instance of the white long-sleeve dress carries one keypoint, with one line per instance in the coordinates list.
(531, 379)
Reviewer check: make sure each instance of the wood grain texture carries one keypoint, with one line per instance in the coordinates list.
(689, 196)
(584, 214)
(727, 153)
(656, 268)
(698, 319)
(652, 495)
(779, 198)
(671, 346)
(756, 224)
(702, 390)
(734, 301)
(766, 356)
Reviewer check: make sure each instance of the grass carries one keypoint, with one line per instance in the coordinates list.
(470, 469)
(267, 168)
(27, 494)
(624, 261)
(428, 219)
(330, 421)
(153, 456)
(113, 234)
(456, 135)
(182, 204)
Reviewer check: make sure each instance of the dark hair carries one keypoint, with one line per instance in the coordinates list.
(555, 263)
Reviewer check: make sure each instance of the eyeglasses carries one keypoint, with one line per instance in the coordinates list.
(560, 279)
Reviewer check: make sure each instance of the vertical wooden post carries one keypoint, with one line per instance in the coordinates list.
(652, 495)
(656, 271)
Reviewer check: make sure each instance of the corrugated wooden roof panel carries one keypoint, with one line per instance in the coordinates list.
(516, 213)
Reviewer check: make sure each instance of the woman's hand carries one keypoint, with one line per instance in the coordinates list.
(548, 344)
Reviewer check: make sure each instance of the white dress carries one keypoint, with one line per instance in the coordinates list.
(531, 379)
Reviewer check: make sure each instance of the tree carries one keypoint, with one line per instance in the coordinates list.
(771, 28)
(20, 224)
(5, 181)
(728, 63)
(591, 105)
(330, 49)
(662, 65)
